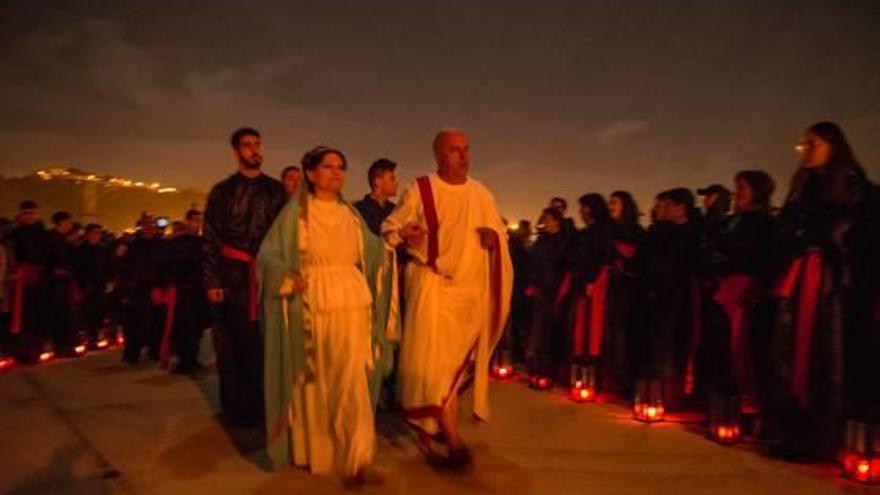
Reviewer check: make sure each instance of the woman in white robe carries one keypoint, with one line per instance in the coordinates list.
(329, 415)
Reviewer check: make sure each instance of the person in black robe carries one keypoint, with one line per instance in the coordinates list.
(29, 295)
(815, 337)
(548, 285)
(625, 322)
(141, 276)
(377, 205)
(671, 264)
(190, 308)
(92, 269)
(561, 205)
(515, 339)
(738, 262)
(61, 285)
(592, 255)
(239, 212)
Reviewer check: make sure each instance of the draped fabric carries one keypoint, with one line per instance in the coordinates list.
(302, 408)
(457, 296)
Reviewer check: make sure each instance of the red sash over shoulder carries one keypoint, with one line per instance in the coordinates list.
(430, 209)
(805, 274)
(459, 382)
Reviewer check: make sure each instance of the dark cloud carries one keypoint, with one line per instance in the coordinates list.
(559, 97)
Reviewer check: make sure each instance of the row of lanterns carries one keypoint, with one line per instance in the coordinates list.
(861, 454)
(80, 349)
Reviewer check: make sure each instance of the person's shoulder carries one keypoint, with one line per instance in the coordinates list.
(361, 203)
(481, 188)
(225, 183)
(272, 183)
(268, 179)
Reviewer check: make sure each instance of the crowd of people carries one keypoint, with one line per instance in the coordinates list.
(321, 309)
(68, 289)
(776, 306)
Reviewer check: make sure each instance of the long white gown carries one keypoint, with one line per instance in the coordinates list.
(447, 320)
(333, 424)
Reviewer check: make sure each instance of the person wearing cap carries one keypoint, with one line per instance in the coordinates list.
(716, 201)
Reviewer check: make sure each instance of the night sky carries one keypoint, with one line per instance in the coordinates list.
(558, 97)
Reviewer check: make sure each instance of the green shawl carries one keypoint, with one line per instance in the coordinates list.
(285, 338)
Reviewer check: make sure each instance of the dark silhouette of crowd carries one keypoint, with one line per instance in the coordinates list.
(779, 308)
(69, 289)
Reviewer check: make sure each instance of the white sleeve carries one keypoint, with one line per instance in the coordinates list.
(406, 211)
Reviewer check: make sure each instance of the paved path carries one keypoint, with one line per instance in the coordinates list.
(94, 426)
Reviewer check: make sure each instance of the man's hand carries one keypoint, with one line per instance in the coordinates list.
(488, 238)
(412, 234)
(293, 283)
(215, 296)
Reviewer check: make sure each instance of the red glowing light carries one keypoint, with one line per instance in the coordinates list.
(102, 344)
(502, 371)
(46, 356)
(864, 467)
(6, 363)
(80, 349)
(120, 340)
(648, 414)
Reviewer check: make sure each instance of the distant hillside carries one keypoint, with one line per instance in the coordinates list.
(113, 202)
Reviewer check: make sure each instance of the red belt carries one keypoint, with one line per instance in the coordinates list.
(598, 297)
(234, 254)
(168, 298)
(25, 275)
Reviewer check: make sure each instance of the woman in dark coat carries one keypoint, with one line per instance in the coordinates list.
(592, 258)
(626, 340)
(737, 276)
(815, 333)
(548, 284)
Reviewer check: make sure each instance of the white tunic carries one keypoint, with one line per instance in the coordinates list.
(333, 418)
(447, 310)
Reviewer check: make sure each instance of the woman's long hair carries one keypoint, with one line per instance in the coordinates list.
(631, 213)
(839, 175)
(597, 206)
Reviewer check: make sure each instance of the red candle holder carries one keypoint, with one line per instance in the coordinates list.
(861, 452)
(82, 345)
(6, 363)
(582, 384)
(502, 366)
(648, 401)
(540, 382)
(725, 415)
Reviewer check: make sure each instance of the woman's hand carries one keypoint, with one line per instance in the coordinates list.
(293, 283)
